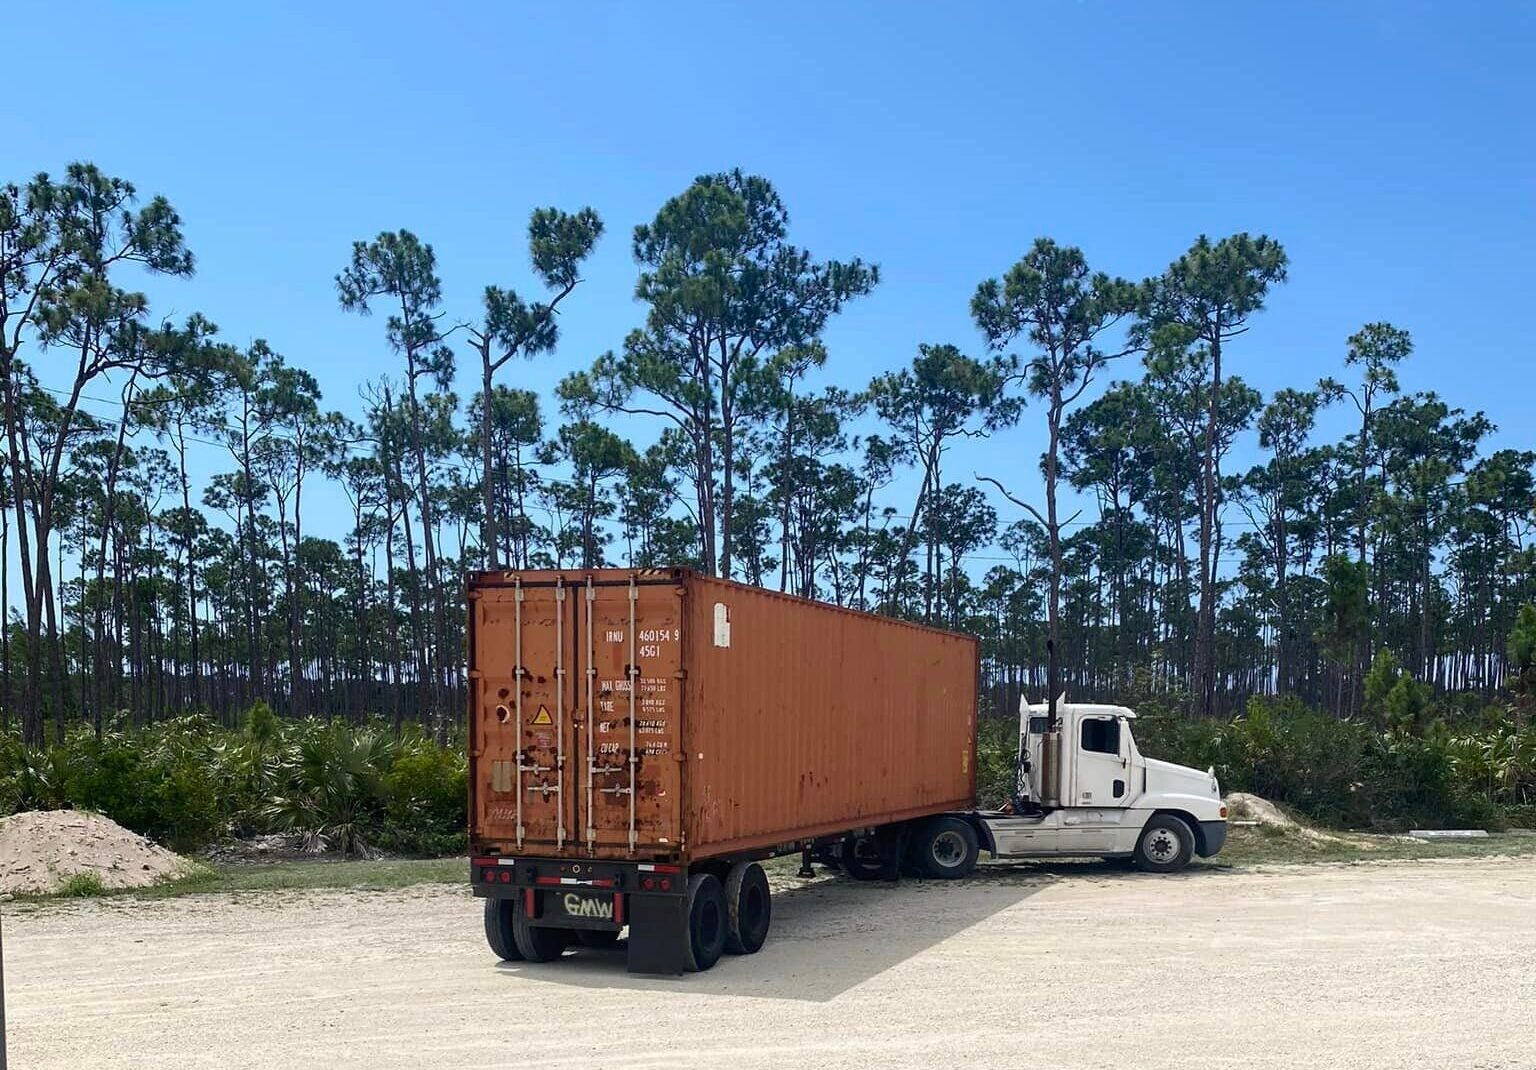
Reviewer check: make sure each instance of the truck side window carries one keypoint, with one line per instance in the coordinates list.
(1102, 735)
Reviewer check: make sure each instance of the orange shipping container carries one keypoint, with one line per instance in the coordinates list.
(666, 716)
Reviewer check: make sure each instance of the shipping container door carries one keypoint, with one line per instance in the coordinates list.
(525, 730)
(632, 636)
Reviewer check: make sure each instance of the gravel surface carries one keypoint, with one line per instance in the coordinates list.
(1409, 964)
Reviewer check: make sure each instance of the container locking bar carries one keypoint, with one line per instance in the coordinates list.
(591, 713)
(559, 714)
(634, 679)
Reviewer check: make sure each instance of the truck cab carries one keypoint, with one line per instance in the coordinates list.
(1085, 788)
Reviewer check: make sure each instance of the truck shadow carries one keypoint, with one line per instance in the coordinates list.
(832, 934)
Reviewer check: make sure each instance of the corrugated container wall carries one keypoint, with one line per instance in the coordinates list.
(666, 715)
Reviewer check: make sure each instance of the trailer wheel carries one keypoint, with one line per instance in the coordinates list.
(596, 938)
(536, 942)
(863, 858)
(749, 908)
(947, 848)
(498, 929)
(1166, 845)
(706, 922)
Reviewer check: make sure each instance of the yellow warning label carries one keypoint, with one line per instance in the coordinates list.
(542, 717)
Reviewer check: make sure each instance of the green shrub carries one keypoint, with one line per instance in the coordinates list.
(997, 750)
(426, 791)
(81, 885)
(162, 782)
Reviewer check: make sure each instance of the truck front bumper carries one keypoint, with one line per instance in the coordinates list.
(1213, 837)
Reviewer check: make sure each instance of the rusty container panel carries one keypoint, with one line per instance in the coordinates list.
(806, 719)
(657, 714)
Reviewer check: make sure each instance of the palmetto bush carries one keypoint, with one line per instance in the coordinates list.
(330, 786)
(31, 779)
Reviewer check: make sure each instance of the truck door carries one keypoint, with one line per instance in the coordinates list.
(1102, 759)
(1100, 786)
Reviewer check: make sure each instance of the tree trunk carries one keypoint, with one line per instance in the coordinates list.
(487, 481)
(1205, 628)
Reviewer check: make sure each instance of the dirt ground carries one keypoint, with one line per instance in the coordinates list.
(1378, 965)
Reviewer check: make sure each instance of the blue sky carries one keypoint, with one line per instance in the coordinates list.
(1389, 146)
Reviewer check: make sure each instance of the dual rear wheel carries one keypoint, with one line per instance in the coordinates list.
(724, 915)
(727, 916)
(513, 939)
(940, 848)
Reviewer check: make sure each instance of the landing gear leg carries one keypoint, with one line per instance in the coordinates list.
(805, 864)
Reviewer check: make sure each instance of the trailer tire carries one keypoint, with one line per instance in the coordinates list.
(947, 848)
(863, 858)
(1166, 845)
(749, 909)
(537, 943)
(499, 920)
(706, 922)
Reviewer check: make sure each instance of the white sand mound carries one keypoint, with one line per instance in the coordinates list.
(41, 849)
(1245, 807)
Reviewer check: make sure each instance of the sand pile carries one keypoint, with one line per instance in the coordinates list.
(1242, 806)
(41, 849)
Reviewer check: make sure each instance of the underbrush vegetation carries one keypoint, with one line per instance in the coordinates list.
(188, 783)
(361, 790)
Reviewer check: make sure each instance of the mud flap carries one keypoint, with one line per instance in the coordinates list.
(658, 934)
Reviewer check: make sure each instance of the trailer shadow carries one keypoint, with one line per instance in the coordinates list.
(832, 934)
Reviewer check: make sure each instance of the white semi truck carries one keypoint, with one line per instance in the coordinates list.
(1084, 790)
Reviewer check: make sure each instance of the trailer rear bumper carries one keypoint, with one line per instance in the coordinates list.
(651, 899)
(1213, 837)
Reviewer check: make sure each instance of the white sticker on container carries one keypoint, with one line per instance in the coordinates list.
(722, 625)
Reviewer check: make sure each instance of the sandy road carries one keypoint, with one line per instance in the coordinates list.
(1386, 965)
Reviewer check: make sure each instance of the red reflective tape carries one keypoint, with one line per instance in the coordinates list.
(604, 883)
(549, 880)
(529, 902)
(618, 908)
(482, 862)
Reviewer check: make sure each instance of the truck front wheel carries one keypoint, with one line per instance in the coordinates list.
(1166, 845)
(946, 848)
(498, 929)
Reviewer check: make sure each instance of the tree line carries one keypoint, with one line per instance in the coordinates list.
(1139, 554)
